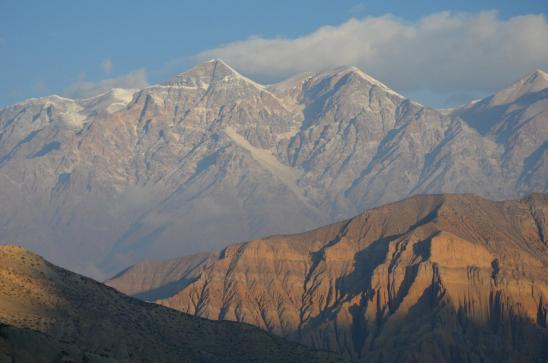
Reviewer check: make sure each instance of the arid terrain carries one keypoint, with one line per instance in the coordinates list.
(48, 314)
(431, 278)
(274, 181)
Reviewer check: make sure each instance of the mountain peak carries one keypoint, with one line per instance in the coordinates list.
(207, 73)
(539, 73)
(218, 66)
(536, 80)
(357, 72)
(531, 82)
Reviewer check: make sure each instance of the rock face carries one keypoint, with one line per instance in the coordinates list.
(516, 118)
(431, 278)
(48, 314)
(212, 157)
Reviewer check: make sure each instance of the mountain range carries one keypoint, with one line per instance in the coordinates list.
(433, 278)
(211, 157)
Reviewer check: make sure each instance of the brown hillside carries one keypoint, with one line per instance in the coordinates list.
(48, 314)
(430, 278)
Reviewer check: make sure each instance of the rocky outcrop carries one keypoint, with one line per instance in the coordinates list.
(430, 278)
(212, 157)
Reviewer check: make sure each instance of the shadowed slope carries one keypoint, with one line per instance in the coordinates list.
(70, 316)
(152, 280)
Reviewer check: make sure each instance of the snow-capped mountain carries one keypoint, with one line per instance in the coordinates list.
(212, 157)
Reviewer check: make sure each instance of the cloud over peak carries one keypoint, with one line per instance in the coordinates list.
(443, 52)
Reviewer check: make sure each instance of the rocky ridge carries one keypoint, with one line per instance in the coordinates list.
(211, 157)
(431, 278)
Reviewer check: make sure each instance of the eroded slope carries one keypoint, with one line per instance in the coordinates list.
(438, 277)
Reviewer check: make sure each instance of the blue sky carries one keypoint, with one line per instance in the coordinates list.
(69, 47)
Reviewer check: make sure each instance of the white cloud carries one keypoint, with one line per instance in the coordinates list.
(83, 88)
(106, 65)
(446, 53)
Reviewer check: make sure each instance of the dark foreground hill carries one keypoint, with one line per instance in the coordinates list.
(48, 314)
